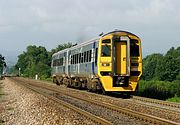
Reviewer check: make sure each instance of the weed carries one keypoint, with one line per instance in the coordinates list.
(174, 99)
(10, 108)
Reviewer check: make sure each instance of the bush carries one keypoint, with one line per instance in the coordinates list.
(157, 89)
(48, 79)
(175, 88)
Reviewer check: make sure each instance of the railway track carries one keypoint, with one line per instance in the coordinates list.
(158, 111)
(155, 101)
(128, 112)
(88, 115)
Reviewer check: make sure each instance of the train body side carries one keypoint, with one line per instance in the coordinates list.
(82, 60)
(79, 61)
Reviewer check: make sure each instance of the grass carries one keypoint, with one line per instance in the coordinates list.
(174, 99)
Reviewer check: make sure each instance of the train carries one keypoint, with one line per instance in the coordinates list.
(110, 63)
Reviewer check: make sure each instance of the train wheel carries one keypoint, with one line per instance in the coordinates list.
(71, 82)
(92, 85)
(58, 81)
(78, 83)
(54, 80)
(65, 82)
(83, 85)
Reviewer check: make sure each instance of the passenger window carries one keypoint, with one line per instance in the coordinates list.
(73, 59)
(54, 62)
(84, 56)
(61, 61)
(90, 52)
(79, 57)
(134, 48)
(87, 57)
(58, 62)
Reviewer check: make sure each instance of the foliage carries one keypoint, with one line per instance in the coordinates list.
(154, 89)
(12, 70)
(150, 65)
(159, 67)
(2, 63)
(34, 61)
(174, 99)
(161, 75)
(159, 89)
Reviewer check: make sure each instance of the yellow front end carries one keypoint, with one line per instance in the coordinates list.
(118, 68)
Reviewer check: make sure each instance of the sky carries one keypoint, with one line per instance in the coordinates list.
(49, 23)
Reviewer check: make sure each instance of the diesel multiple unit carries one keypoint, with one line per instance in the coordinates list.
(110, 63)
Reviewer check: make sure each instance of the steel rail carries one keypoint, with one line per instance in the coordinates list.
(144, 117)
(155, 101)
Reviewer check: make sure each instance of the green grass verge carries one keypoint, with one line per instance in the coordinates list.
(174, 99)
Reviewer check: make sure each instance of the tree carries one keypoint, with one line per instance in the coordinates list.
(170, 68)
(34, 61)
(159, 67)
(150, 64)
(2, 63)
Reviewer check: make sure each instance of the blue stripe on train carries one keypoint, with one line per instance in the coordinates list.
(94, 57)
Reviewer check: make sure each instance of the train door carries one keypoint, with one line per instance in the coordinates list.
(122, 57)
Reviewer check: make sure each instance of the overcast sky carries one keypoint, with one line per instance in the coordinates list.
(51, 22)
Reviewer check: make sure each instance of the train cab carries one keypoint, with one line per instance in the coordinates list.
(119, 61)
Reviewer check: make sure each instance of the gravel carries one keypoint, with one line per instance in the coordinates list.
(112, 116)
(144, 108)
(21, 106)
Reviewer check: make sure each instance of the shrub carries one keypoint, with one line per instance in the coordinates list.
(155, 89)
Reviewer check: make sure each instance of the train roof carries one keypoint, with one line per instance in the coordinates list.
(120, 31)
(76, 46)
(84, 43)
(61, 51)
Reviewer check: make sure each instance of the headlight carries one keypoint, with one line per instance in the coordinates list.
(105, 64)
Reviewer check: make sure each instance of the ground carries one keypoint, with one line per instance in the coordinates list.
(21, 106)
